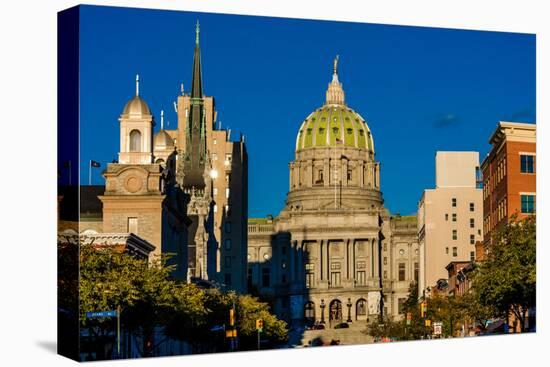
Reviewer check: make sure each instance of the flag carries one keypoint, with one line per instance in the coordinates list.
(95, 164)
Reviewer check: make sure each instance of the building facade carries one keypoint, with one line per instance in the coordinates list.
(449, 217)
(324, 257)
(509, 176)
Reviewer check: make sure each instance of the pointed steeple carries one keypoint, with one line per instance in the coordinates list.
(196, 83)
(335, 92)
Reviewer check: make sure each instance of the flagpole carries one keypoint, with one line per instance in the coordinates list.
(90, 173)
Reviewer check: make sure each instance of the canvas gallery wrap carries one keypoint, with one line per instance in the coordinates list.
(235, 183)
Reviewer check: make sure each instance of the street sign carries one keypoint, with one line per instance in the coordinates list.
(98, 314)
(438, 326)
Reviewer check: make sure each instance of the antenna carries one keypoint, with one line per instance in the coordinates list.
(137, 85)
(162, 119)
(175, 107)
(181, 88)
(229, 135)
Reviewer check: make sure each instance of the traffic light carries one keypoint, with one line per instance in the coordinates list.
(428, 323)
(423, 309)
(259, 324)
(231, 317)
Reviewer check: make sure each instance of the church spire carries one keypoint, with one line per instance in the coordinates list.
(196, 83)
(335, 92)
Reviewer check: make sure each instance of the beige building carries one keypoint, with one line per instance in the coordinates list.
(333, 254)
(449, 217)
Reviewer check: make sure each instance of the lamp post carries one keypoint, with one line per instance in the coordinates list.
(323, 311)
(349, 310)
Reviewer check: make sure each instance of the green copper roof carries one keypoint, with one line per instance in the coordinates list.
(334, 126)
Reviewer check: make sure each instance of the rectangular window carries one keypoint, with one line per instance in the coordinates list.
(133, 225)
(227, 210)
(416, 272)
(446, 216)
(472, 255)
(454, 217)
(472, 223)
(215, 208)
(310, 279)
(266, 277)
(385, 246)
(215, 191)
(228, 178)
(361, 278)
(527, 163)
(472, 207)
(455, 235)
(228, 244)
(335, 279)
(453, 202)
(527, 204)
(401, 272)
(227, 159)
(447, 250)
(228, 261)
(455, 252)
(227, 192)
(472, 239)
(349, 175)
(385, 274)
(385, 260)
(227, 227)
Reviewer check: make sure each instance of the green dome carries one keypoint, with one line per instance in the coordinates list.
(334, 125)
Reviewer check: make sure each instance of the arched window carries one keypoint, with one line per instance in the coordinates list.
(335, 313)
(361, 307)
(309, 311)
(135, 141)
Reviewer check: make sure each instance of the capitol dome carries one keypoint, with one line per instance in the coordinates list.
(334, 124)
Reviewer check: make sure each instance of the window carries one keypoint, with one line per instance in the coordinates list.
(215, 191)
(446, 216)
(227, 192)
(361, 278)
(320, 176)
(527, 204)
(335, 279)
(472, 223)
(385, 260)
(266, 275)
(227, 279)
(472, 255)
(401, 272)
(310, 279)
(447, 250)
(453, 202)
(416, 272)
(455, 252)
(228, 261)
(133, 225)
(228, 244)
(385, 246)
(309, 311)
(454, 217)
(227, 159)
(227, 210)
(385, 274)
(472, 239)
(228, 178)
(214, 157)
(455, 235)
(215, 208)
(135, 141)
(401, 305)
(527, 163)
(350, 176)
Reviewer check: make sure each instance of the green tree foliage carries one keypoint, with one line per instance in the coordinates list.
(149, 299)
(506, 280)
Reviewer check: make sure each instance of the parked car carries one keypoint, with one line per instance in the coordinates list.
(318, 327)
(342, 325)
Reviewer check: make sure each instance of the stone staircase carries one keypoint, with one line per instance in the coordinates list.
(347, 336)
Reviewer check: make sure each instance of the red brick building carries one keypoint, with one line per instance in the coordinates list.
(509, 175)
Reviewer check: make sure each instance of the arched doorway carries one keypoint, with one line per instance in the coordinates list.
(361, 309)
(309, 313)
(335, 311)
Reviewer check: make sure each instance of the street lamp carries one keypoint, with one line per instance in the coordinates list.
(349, 309)
(323, 311)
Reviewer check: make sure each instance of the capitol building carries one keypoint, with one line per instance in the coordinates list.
(334, 253)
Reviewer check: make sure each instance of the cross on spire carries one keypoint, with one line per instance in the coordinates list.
(197, 31)
(162, 119)
(137, 85)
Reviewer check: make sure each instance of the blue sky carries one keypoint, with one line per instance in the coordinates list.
(420, 89)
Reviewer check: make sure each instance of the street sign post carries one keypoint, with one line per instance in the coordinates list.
(438, 327)
(259, 329)
(110, 313)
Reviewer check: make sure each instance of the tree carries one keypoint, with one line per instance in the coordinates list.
(506, 280)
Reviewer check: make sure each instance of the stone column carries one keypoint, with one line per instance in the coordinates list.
(326, 172)
(321, 259)
(344, 172)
